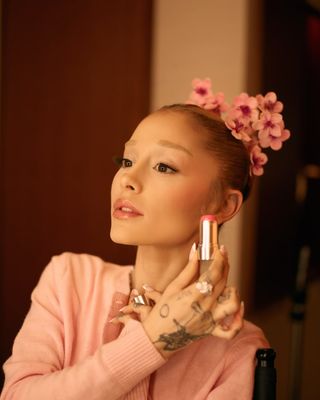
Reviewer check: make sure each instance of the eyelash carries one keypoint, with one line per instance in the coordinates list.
(167, 167)
(123, 163)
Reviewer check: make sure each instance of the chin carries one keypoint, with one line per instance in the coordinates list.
(122, 238)
(124, 242)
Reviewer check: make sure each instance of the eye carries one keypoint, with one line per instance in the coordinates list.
(123, 162)
(164, 168)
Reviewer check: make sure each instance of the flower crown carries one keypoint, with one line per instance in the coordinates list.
(256, 121)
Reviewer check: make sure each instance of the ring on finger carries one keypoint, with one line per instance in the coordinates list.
(140, 300)
(204, 287)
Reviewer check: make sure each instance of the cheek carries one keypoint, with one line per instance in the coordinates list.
(178, 210)
(185, 200)
(114, 185)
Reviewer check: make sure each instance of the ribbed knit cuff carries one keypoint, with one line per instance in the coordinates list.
(140, 391)
(133, 357)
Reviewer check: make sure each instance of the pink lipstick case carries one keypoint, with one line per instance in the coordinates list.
(208, 237)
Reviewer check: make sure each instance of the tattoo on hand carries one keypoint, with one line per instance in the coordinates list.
(224, 297)
(164, 311)
(178, 339)
(184, 293)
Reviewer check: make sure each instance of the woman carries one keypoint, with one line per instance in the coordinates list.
(88, 334)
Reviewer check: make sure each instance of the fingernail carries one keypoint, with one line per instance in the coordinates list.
(134, 292)
(123, 308)
(223, 250)
(147, 288)
(192, 251)
(120, 314)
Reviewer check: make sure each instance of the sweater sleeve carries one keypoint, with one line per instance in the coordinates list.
(36, 368)
(237, 379)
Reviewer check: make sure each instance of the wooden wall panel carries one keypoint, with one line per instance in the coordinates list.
(75, 84)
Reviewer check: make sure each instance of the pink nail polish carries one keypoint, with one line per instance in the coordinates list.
(223, 250)
(147, 288)
(192, 251)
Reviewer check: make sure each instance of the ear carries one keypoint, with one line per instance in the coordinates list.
(230, 205)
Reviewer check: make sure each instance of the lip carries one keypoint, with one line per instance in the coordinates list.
(124, 209)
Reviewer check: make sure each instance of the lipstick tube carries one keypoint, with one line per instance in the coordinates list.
(208, 238)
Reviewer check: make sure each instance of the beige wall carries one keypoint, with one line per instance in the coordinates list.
(202, 38)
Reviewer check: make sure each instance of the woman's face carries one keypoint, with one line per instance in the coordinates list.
(164, 184)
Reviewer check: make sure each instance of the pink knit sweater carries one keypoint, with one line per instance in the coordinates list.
(67, 349)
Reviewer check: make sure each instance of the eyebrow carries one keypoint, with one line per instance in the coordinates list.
(165, 143)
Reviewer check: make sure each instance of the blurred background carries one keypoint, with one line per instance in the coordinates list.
(77, 77)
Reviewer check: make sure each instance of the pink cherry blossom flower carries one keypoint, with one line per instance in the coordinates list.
(269, 124)
(244, 107)
(216, 103)
(256, 121)
(275, 142)
(201, 91)
(239, 129)
(258, 159)
(269, 103)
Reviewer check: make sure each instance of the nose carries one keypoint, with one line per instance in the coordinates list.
(130, 182)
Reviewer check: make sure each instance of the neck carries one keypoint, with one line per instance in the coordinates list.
(157, 267)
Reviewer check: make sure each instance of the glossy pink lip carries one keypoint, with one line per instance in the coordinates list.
(124, 209)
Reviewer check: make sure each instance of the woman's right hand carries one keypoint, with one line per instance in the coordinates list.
(182, 314)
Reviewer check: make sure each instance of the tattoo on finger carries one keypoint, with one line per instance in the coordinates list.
(224, 297)
(196, 307)
(164, 311)
(207, 278)
(183, 294)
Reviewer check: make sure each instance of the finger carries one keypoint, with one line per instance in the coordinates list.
(215, 235)
(228, 303)
(224, 253)
(154, 296)
(133, 293)
(217, 267)
(209, 286)
(129, 309)
(187, 275)
(216, 275)
(121, 318)
(225, 333)
(231, 328)
(222, 300)
(224, 259)
(142, 312)
(147, 288)
(151, 294)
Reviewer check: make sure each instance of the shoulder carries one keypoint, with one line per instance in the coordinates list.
(83, 271)
(81, 263)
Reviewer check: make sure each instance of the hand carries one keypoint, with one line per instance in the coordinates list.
(182, 314)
